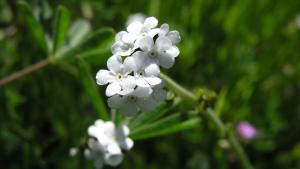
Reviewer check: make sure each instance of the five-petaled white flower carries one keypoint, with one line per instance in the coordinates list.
(162, 52)
(120, 82)
(131, 103)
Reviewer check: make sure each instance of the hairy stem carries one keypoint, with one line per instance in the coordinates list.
(24, 72)
(236, 146)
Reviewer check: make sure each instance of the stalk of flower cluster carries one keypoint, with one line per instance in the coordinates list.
(189, 96)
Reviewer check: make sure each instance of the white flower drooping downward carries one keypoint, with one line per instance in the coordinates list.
(106, 143)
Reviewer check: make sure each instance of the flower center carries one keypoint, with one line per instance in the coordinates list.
(144, 34)
(140, 74)
(119, 76)
(132, 98)
(152, 54)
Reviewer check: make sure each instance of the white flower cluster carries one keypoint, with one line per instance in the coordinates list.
(106, 143)
(132, 75)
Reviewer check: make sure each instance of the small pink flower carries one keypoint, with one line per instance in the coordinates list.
(246, 130)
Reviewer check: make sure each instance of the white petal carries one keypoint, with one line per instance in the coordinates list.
(164, 29)
(138, 17)
(113, 148)
(163, 43)
(150, 22)
(92, 131)
(153, 32)
(94, 145)
(104, 76)
(152, 70)
(153, 80)
(130, 62)
(99, 123)
(134, 27)
(173, 51)
(112, 89)
(98, 164)
(128, 38)
(113, 159)
(116, 47)
(174, 37)
(109, 128)
(128, 109)
(119, 35)
(128, 83)
(88, 154)
(142, 92)
(141, 82)
(127, 68)
(125, 130)
(159, 95)
(146, 43)
(147, 105)
(126, 144)
(140, 59)
(166, 61)
(114, 63)
(114, 101)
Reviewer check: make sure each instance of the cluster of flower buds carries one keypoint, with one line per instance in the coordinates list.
(106, 142)
(133, 70)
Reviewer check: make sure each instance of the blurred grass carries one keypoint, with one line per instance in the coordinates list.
(248, 48)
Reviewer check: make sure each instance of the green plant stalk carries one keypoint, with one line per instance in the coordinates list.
(189, 96)
(181, 91)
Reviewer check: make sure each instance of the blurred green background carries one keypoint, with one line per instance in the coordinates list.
(248, 51)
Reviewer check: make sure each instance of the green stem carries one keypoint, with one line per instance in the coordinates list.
(214, 117)
(239, 150)
(184, 93)
(181, 91)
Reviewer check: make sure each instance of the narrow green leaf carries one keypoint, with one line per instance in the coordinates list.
(90, 87)
(93, 45)
(34, 26)
(78, 31)
(171, 124)
(148, 117)
(61, 25)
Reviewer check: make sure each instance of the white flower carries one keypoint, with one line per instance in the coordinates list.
(137, 17)
(124, 44)
(94, 152)
(172, 35)
(158, 94)
(120, 82)
(145, 75)
(111, 137)
(162, 52)
(106, 147)
(131, 103)
(142, 29)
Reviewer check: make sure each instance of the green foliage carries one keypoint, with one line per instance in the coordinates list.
(245, 50)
